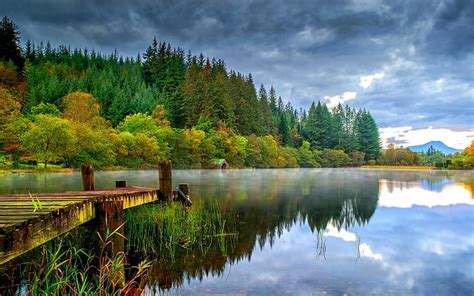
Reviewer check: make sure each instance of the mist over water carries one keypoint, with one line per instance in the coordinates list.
(315, 231)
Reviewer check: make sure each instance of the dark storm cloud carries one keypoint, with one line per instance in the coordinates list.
(309, 50)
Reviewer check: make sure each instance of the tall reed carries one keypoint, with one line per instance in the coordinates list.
(64, 269)
(167, 229)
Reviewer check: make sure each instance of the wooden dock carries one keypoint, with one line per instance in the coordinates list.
(29, 221)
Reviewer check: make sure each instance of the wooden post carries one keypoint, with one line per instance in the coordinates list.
(120, 184)
(87, 173)
(109, 215)
(166, 179)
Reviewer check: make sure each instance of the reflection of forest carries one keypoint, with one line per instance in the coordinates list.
(263, 206)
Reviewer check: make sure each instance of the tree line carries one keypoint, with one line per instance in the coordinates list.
(68, 105)
(396, 156)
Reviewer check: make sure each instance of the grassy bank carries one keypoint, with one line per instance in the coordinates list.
(8, 168)
(399, 167)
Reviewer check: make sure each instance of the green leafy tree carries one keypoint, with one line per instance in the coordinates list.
(139, 123)
(49, 138)
(42, 108)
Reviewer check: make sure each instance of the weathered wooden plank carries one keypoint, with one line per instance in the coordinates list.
(40, 231)
(23, 215)
(22, 227)
(18, 218)
(46, 203)
(31, 208)
(20, 210)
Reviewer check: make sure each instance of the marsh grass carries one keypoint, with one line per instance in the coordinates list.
(64, 269)
(168, 229)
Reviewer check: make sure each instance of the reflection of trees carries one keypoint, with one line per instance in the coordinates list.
(261, 205)
(264, 206)
(432, 180)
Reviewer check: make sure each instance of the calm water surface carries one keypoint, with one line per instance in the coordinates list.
(317, 231)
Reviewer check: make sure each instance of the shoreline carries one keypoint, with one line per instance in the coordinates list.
(5, 171)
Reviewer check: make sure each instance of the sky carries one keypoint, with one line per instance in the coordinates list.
(410, 63)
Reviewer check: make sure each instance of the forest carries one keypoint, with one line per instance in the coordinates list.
(63, 106)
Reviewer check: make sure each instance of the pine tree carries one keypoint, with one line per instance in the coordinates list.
(10, 43)
(312, 131)
(284, 131)
(368, 135)
(265, 110)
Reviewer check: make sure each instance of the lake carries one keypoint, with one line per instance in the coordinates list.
(315, 231)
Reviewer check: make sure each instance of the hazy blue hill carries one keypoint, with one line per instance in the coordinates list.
(438, 145)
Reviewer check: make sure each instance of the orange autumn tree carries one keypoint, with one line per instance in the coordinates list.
(83, 108)
(92, 132)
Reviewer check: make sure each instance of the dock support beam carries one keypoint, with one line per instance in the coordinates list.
(109, 215)
(166, 179)
(87, 173)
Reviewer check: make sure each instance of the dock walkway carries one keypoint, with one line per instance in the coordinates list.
(28, 221)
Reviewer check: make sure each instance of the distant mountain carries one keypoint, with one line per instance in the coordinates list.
(438, 145)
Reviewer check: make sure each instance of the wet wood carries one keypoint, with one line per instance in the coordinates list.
(87, 173)
(166, 179)
(25, 224)
(120, 184)
(109, 215)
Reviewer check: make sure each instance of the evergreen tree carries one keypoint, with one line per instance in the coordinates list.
(284, 131)
(312, 131)
(265, 110)
(368, 135)
(10, 43)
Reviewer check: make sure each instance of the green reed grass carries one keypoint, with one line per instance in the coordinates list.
(67, 270)
(167, 229)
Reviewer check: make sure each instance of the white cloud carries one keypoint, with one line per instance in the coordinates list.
(366, 251)
(366, 81)
(333, 101)
(409, 136)
(343, 234)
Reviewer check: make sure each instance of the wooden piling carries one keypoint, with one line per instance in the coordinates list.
(109, 215)
(166, 179)
(87, 173)
(120, 184)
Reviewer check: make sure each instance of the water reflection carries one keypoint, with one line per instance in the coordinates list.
(325, 231)
(289, 220)
(266, 205)
(406, 195)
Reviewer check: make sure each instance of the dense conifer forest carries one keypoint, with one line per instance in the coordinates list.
(65, 106)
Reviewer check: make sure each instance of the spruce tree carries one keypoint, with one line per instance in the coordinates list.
(10, 43)
(265, 110)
